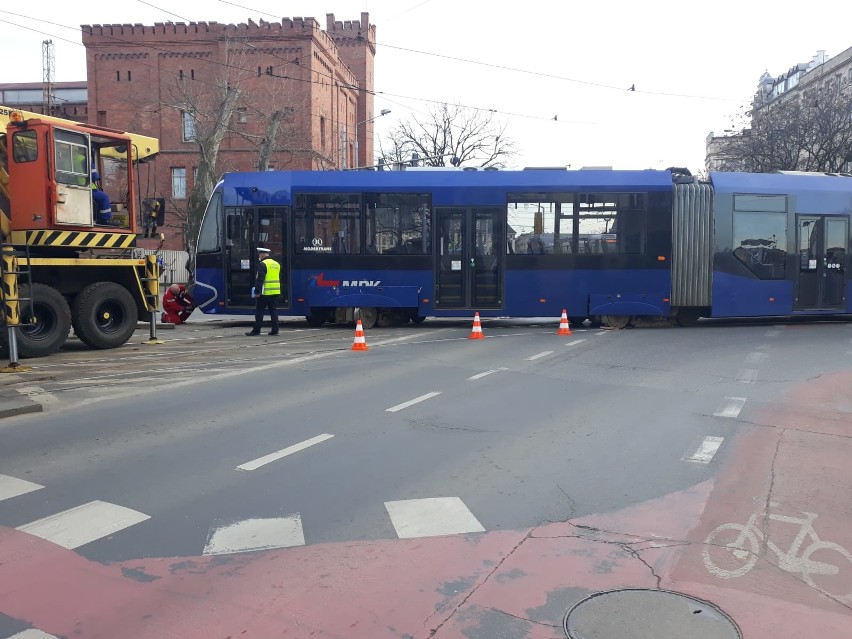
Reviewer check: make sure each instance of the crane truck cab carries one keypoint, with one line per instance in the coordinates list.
(74, 266)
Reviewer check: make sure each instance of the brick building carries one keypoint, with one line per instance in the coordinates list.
(168, 81)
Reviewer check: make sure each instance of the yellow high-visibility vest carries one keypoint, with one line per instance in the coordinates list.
(272, 281)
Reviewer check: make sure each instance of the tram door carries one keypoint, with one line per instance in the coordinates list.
(246, 229)
(821, 268)
(469, 257)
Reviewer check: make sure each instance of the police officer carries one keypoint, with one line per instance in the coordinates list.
(267, 288)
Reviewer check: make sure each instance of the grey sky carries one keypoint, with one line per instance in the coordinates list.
(694, 65)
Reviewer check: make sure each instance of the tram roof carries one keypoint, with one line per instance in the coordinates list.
(273, 187)
(781, 182)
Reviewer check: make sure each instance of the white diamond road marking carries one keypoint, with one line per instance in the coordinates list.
(706, 450)
(411, 402)
(251, 535)
(32, 633)
(267, 459)
(12, 487)
(431, 517)
(732, 407)
(81, 525)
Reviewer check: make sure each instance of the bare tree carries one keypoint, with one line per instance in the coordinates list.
(450, 135)
(808, 132)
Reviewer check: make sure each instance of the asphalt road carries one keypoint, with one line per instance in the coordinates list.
(216, 443)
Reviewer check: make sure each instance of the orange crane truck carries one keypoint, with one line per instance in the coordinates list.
(66, 260)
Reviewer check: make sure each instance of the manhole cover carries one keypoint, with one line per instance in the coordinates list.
(647, 614)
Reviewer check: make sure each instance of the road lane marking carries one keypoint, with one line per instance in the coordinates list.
(732, 407)
(38, 394)
(706, 450)
(601, 333)
(539, 356)
(763, 347)
(250, 535)
(485, 374)
(431, 517)
(84, 524)
(411, 402)
(12, 487)
(747, 376)
(394, 340)
(575, 342)
(755, 357)
(271, 457)
(32, 633)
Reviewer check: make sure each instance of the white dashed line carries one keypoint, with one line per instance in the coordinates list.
(772, 333)
(575, 342)
(706, 450)
(747, 376)
(12, 487)
(81, 525)
(732, 407)
(485, 374)
(267, 459)
(539, 356)
(32, 633)
(430, 517)
(755, 357)
(251, 535)
(411, 402)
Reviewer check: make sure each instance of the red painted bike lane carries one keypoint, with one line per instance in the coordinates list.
(740, 541)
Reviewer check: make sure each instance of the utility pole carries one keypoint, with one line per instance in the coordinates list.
(48, 64)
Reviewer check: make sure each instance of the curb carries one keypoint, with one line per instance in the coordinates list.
(12, 406)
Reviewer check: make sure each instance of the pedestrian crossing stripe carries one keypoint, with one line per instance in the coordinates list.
(84, 524)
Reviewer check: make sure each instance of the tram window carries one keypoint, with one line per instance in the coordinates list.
(542, 223)
(209, 238)
(611, 223)
(760, 242)
(398, 224)
(328, 223)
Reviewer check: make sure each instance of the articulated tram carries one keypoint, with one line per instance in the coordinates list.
(607, 245)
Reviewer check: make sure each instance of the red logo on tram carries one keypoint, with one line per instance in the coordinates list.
(320, 281)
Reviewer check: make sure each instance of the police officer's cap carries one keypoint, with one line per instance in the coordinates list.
(264, 250)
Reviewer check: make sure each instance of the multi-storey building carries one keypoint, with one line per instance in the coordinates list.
(69, 99)
(798, 82)
(168, 81)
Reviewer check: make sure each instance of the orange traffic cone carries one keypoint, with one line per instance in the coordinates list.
(360, 344)
(564, 328)
(476, 332)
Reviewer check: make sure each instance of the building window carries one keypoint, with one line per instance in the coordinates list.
(242, 115)
(102, 118)
(322, 132)
(118, 76)
(178, 183)
(192, 74)
(188, 121)
(128, 76)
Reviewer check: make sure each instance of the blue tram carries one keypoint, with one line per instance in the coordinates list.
(603, 244)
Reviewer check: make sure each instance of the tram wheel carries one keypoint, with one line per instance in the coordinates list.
(616, 321)
(368, 316)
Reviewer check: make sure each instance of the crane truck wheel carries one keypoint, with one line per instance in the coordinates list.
(44, 326)
(104, 315)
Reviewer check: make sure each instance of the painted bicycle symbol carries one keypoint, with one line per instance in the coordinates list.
(732, 550)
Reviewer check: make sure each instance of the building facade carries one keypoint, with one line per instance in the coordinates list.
(170, 81)
(70, 99)
(797, 83)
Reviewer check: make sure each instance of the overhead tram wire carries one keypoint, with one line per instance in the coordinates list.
(286, 77)
(501, 67)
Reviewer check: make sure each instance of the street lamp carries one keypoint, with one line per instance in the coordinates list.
(357, 124)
